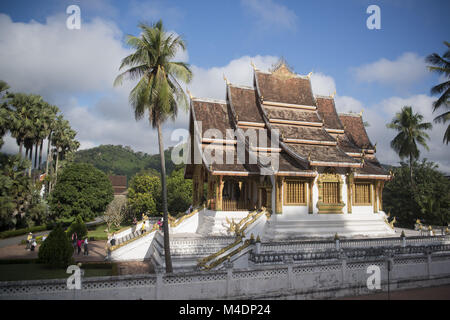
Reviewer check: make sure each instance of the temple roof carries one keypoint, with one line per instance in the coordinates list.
(284, 86)
(354, 128)
(244, 102)
(327, 111)
(311, 132)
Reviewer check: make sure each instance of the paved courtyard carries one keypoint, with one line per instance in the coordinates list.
(97, 252)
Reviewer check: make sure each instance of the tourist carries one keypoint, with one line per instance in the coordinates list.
(85, 247)
(79, 246)
(143, 227)
(160, 224)
(113, 240)
(33, 244)
(29, 238)
(74, 240)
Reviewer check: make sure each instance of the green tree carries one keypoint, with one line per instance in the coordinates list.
(158, 90)
(432, 201)
(411, 131)
(79, 227)
(441, 66)
(144, 195)
(179, 192)
(82, 190)
(4, 111)
(15, 190)
(56, 250)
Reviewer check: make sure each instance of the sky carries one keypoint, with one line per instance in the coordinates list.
(377, 71)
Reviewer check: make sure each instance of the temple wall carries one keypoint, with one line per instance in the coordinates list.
(324, 280)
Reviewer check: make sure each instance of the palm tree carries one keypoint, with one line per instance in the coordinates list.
(158, 90)
(411, 131)
(441, 65)
(4, 111)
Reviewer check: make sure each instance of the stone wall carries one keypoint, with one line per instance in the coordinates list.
(321, 280)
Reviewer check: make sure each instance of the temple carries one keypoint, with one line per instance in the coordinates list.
(273, 166)
(314, 170)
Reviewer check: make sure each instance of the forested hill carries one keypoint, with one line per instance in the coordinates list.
(119, 160)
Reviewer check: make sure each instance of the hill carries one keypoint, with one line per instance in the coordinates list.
(120, 160)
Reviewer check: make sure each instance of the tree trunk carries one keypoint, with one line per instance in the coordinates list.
(168, 258)
(48, 153)
(20, 149)
(411, 169)
(31, 161)
(35, 155)
(41, 145)
(56, 165)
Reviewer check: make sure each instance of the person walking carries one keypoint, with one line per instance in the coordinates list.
(143, 227)
(85, 247)
(74, 240)
(33, 244)
(79, 246)
(29, 238)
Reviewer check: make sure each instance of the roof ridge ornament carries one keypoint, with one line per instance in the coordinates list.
(189, 93)
(333, 94)
(253, 65)
(361, 113)
(226, 80)
(309, 75)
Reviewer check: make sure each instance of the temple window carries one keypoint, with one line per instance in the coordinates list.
(331, 192)
(362, 194)
(295, 192)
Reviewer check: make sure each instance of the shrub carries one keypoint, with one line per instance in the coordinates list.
(82, 190)
(77, 227)
(56, 251)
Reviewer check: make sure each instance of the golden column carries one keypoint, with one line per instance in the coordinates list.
(219, 189)
(350, 182)
(279, 182)
(310, 196)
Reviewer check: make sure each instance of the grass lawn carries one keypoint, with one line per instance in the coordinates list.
(99, 231)
(34, 271)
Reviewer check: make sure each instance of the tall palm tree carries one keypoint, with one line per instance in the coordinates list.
(441, 65)
(411, 131)
(158, 90)
(4, 111)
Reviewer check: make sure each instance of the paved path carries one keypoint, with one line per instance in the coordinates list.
(16, 240)
(431, 293)
(97, 252)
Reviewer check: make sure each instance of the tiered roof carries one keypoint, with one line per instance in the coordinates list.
(312, 134)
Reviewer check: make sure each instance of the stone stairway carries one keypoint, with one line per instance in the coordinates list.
(186, 249)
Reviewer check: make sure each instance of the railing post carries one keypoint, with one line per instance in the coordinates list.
(229, 267)
(429, 263)
(343, 267)
(159, 282)
(290, 276)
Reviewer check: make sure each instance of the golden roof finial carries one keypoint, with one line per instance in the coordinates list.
(189, 93)
(309, 75)
(253, 65)
(226, 80)
(334, 93)
(309, 156)
(375, 147)
(360, 114)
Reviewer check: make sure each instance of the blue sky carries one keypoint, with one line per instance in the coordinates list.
(377, 71)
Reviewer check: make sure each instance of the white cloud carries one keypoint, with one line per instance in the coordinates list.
(49, 58)
(348, 104)
(209, 83)
(322, 84)
(270, 14)
(402, 72)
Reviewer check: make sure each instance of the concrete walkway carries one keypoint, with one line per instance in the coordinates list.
(16, 240)
(97, 252)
